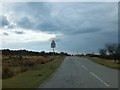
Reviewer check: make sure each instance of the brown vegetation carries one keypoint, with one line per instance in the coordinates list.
(18, 61)
(13, 65)
(7, 71)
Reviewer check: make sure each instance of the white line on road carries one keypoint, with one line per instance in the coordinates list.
(84, 67)
(99, 79)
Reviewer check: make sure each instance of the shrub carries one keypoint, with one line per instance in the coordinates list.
(43, 62)
(20, 57)
(28, 63)
(23, 69)
(7, 71)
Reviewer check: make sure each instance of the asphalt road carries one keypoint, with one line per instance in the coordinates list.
(76, 72)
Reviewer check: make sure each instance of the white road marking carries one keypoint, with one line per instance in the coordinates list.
(84, 67)
(95, 75)
(99, 79)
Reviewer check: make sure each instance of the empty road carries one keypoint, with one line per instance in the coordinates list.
(76, 72)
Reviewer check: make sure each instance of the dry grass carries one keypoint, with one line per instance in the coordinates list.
(7, 71)
(105, 62)
(12, 65)
(35, 75)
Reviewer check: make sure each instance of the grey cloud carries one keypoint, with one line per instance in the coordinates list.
(85, 26)
(68, 18)
(19, 32)
(42, 8)
(11, 26)
(49, 26)
(25, 22)
(88, 30)
(57, 39)
(6, 34)
(4, 21)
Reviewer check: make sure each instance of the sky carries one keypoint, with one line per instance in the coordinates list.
(82, 27)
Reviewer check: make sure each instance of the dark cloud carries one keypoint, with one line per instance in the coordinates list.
(85, 26)
(25, 22)
(88, 30)
(38, 8)
(56, 39)
(49, 27)
(67, 18)
(6, 34)
(4, 21)
(19, 32)
(11, 26)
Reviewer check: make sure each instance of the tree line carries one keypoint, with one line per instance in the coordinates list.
(110, 51)
(29, 53)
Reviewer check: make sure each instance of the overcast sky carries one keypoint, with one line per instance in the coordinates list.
(82, 27)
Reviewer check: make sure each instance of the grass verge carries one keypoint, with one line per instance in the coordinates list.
(33, 77)
(105, 62)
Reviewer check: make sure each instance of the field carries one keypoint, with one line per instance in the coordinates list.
(105, 62)
(28, 71)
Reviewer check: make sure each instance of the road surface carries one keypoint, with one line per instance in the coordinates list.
(76, 72)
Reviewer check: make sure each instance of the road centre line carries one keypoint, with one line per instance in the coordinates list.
(100, 79)
(84, 67)
(95, 76)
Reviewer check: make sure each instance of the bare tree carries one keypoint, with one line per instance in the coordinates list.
(102, 52)
(113, 50)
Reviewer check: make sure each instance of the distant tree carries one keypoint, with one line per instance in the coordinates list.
(43, 53)
(118, 54)
(103, 52)
(113, 50)
(64, 54)
(81, 54)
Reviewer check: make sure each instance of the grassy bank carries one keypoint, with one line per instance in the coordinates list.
(105, 62)
(34, 76)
